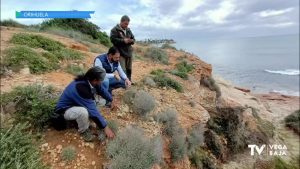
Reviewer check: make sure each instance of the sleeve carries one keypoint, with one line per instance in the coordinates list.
(121, 72)
(132, 37)
(104, 93)
(115, 38)
(86, 100)
(99, 63)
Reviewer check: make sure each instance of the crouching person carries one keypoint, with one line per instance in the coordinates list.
(115, 75)
(77, 102)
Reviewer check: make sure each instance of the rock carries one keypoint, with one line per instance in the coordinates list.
(25, 71)
(59, 148)
(93, 163)
(243, 90)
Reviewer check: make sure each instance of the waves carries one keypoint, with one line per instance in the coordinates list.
(290, 72)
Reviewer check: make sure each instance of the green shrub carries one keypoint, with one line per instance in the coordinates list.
(67, 54)
(81, 25)
(74, 70)
(36, 41)
(157, 55)
(178, 147)
(183, 66)
(293, 121)
(12, 23)
(34, 103)
(202, 159)
(182, 75)
(158, 72)
(143, 103)
(211, 84)
(68, 153)
(167, 46)
(132, 149)
(17, 57)
(17, 149)
(164, 81)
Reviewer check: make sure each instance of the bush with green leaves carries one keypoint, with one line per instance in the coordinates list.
(158, 72)
(182, 75)
(143, 103)
(34, 103)
(74, 69)
(157, 55)
(17, 57)
(202, 159)
(211, 84)
(195, 138)
(36, 41)
(132, 149)
(164, 81)
(68, 153)
(81, 25)
(182, 69)
(167, 46)
(178, 147)
(18, 149)
(129, 95)
(11, 23)
(67, 54)
(293, 121)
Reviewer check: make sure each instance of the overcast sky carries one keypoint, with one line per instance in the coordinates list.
(178, 18)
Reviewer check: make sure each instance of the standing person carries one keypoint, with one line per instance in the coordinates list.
(77, 102)
(115, 76)
(122, 38)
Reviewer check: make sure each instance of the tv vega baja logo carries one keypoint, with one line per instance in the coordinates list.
(271, 149)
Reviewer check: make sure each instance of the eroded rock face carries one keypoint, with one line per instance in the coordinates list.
(232, 127)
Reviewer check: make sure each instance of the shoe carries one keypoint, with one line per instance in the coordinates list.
(87, 135)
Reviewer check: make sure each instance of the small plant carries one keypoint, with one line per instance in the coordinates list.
(170, 115)
(182, 75)
(17, 57)
(157, 72)
(17, 148)
(36, 41)
(68, 153)
(149, 81)
(67, 54)
(167, 46)
(157, 55)
(132, 149)
(129, 95)
(211, 84)
(143, 103)
(34, 103)
(293, 121)
(183, 66)
(178, 147)
(195, 138)
(164, 81)
(202, 159)
(74, 70)
(113, 125)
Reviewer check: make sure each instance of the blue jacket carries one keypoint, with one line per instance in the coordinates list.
(79, 93)
(106, 64)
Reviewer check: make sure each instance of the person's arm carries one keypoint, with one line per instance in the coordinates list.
(104, 93)
(132, 37)
(99, 63)
(115, 38)
(85, 99)
(121, 72)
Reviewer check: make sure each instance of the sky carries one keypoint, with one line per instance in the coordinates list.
(177, 19)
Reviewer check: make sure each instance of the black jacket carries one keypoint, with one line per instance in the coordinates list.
(117, 38)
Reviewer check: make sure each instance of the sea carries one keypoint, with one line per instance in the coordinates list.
(261, 64)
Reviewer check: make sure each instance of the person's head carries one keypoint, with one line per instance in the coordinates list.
(95, 75)
(124, 21)
(113, 54)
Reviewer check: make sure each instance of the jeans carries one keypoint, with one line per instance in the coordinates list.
(81, 115)
(112, 83)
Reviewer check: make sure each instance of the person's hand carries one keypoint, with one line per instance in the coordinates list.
(127, 83)
(109, 133)
(127, 40)
(117, 76)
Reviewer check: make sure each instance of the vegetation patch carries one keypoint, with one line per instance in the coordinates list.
(293, 121)
(68, 153)
(74, 70)
(18, 149)
(33, 104)
(157, 55)
(132, 149)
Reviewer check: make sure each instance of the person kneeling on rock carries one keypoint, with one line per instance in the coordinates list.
(115, 75)
(77, 102)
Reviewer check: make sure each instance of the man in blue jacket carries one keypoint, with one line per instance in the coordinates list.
(77, 102)
(115, 75)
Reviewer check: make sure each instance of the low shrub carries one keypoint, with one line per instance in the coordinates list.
(67, 54)
(18, 149)
(167, 46)
(293, 121)
(178, 147)
(19, 56)
(129, 95)
(195, 138)
(74, 70)
(183, 66)
(157, 55)
(12, 23)
(211, 84)
(68, 153)
(202, 159)
(34, 103)
(169, 115)
(143, 103)
(158, 72)
(182, 75)
(132, 149)
(164, 81)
